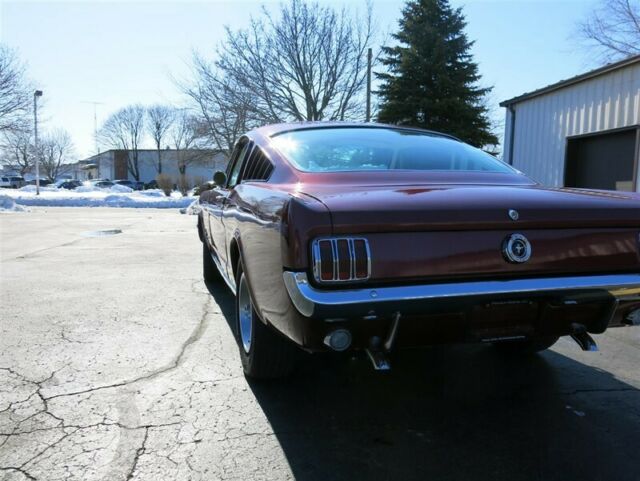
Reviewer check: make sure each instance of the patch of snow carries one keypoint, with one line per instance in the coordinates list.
(121, 188)
(152, 193)
(118, 189)
(117, 196)
(7, 204)
(32, 188)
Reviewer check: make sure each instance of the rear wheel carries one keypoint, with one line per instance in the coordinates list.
(264, 353)
(526, 346)
(209, 270)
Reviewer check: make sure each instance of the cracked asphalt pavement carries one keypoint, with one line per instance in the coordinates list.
(117, 362)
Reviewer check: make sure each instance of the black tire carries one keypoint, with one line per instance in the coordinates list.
(200, 235)
(209, 270)
(525, 346)
(269, 355)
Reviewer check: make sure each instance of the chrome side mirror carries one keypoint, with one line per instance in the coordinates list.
(220, 178)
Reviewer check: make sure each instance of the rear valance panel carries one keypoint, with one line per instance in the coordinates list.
(472, 254)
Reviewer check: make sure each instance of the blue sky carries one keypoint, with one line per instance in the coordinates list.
(119, 52)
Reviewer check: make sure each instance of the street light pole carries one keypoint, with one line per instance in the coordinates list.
(36, 94)
(369, 58)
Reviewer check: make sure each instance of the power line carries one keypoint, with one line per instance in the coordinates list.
(95, 121)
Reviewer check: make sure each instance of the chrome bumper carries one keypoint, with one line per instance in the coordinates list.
(363, 302)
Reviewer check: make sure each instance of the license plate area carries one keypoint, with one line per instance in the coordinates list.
(504, 319)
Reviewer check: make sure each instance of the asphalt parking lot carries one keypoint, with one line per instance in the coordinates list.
(117, 362)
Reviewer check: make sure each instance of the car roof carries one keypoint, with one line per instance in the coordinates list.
(275, 129)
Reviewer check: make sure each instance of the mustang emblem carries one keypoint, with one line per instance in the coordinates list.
(516, 248)
(514, 214)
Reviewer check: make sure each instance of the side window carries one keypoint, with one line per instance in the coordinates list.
(237, 166)
(234, 155)
(257, 167)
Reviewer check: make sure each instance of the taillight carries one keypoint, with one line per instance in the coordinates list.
(341, 259)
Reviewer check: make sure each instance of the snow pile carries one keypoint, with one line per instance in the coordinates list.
(7, 204)
(152, 193)
(116, 196)
(121, 189)
(43, 188)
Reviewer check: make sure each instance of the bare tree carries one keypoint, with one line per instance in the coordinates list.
(14, 91)
(56, 153)
(613, 29)
(224, 105)
(307, 62)
(125, 130)
(187, 135)
(160, 118)
(16, 150)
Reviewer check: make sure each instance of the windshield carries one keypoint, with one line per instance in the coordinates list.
(362, 148)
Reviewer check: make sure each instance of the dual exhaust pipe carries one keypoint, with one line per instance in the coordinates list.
(340, 340)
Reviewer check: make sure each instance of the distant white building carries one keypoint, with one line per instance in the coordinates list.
(199, 165)
(580, 132)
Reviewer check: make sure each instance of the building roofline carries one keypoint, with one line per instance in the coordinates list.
(573, 80)
(214, 151)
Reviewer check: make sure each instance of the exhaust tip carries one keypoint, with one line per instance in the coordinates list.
(338, 340)
(633, 319)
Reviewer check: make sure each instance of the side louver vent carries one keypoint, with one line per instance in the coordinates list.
(341, 259)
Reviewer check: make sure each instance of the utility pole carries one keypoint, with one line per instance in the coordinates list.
(95, 121)
(369, 58)
(36, 94)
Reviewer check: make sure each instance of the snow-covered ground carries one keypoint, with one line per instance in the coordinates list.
(84, 196)
(7, 204)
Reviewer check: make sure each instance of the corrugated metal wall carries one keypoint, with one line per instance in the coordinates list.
(543, 123)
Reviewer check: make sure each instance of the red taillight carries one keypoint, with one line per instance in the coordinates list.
(344, 260)
(362, 258)
(341, 259)
(326, 260)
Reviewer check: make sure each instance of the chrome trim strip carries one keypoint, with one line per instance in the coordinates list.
(309, 301)
(336, 258)
(317, 266)
(231, 285)
(352, 259)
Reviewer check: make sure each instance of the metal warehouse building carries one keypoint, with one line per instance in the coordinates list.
(581, 132)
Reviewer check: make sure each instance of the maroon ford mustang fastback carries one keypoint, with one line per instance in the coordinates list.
(339, 236)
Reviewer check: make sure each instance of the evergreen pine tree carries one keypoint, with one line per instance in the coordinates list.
(431, 79)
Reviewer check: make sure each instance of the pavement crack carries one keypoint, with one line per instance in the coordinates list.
(139, 452)
(19, 470)
(195, 335)
(33, 253)
(596, 390)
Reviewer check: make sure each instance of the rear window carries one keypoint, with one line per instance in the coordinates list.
(362, 148)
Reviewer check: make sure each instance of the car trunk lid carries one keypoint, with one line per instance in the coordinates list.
(459, 231)
(362, 209)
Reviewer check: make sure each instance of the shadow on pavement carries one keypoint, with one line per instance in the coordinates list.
(459, 412)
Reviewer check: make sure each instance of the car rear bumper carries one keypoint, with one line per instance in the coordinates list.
(622, 290)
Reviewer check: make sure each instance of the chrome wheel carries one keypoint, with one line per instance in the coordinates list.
(245, 315)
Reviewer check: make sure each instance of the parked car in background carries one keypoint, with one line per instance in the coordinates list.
(139, 185)
(151, 185)
(69, 184)
(12, 181)
(338, 236)
(99, 183)
(43, 182)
